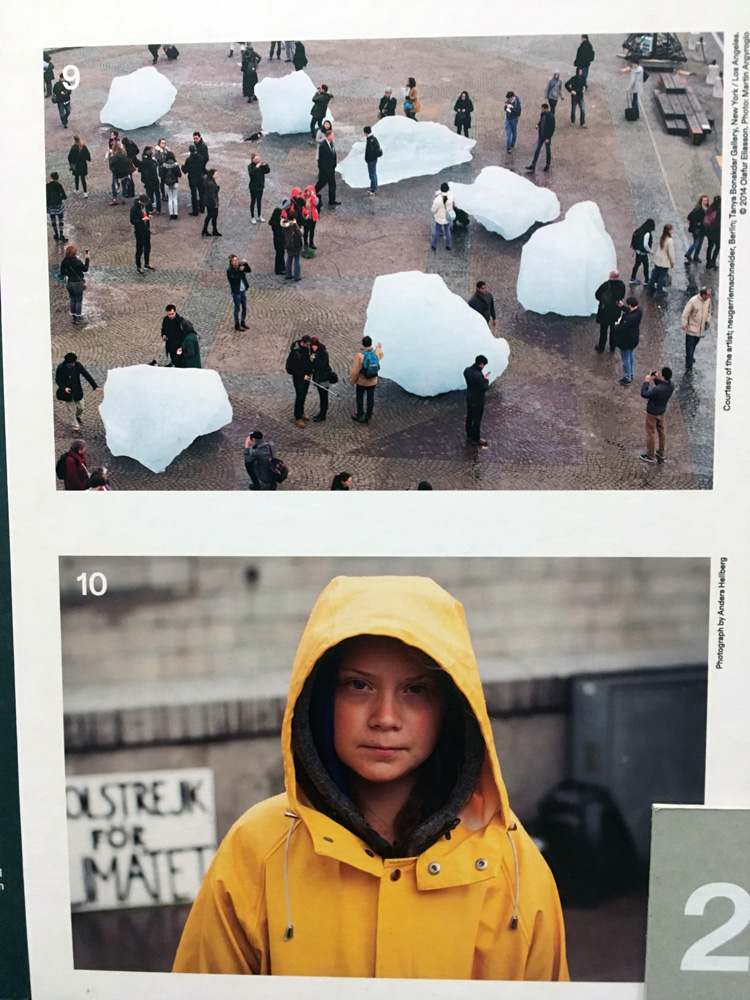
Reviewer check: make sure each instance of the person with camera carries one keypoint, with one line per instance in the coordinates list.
(322, 376)
(657, 389)
(512, 114)
(237, 277)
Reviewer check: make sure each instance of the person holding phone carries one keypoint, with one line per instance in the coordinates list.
(477, 384)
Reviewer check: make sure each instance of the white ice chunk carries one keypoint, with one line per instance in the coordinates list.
(138, 99)
(285, 103)
(429, 334)
(562, 265)
(151, 414)
(410, 149)
(505, 203)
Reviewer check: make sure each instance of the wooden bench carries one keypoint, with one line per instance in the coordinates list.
(681, 109)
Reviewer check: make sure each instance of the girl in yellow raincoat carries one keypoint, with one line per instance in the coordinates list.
(394, 852)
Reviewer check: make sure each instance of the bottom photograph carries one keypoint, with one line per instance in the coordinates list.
(434, 768)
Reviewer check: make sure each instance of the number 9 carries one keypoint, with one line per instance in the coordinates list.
(71, 76)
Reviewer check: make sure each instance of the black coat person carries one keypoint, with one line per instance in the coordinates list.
(279, 243)
(477, 385)
(148, 168)
(140, 220)
(194, 169)
(299, 59)
(250, 62)
(327, 160)
(609, 295)
(174, 329)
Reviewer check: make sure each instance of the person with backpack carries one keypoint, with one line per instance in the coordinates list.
(642, 245)
(372, 152)
(364, 376)
(444, 214)
(299, 366)
(609, 295)
(71, 467)
(697, 229)
(140, 217)
(256, 171)
(170, 173)
(258, 458)
(69, 389)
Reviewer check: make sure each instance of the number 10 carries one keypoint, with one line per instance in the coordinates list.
(96, 584)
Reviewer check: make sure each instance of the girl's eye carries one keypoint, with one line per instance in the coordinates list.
(357, 684)
(418, 689)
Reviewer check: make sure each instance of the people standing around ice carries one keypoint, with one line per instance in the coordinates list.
(211, 200)
(657, 389)
(663, 261)
(73, 270)
(642, 245)
(372, 152)
(249, 67)
(256, 171)
(545, 130)
(320, 102)
(364, 376)
(697, 229)
(483, 302)
(627, 335)
(477, 384)
(170, 174)
(299, 58)
(279, 244)
(140, 219)
(464, 109)
(299, 366)
(635, 82)
(78, 160)
(327, 160)
(553, 91)
(292, 243)
(154, 50)
(576, 86)
(69, 389)
(237, 277)
(277, 47)
(55, 196)
(342, 481)
(119, 167)
(76, 474)
(48, 73)
(194, 168)
(174, 329)
(695, 319)
(712, 225)
(321, 376)
(310, 216)
(61, 97)
(190, 352)
(387, 105)
(258, 455)
(609, 295)
(512, 114)
(411, 99)
(443, 214)
(584, 57)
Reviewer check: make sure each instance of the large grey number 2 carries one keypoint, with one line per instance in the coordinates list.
(698, 957)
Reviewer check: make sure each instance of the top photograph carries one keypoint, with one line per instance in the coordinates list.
(385, 264)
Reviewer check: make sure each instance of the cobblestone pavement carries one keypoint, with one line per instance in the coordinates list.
(555, 420)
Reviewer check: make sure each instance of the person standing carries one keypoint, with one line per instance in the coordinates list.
(327, 160)
(69, 389)
(657, 389)
(258, 455)
(512, 114)
(483, 302)
(76, 473)
(55, 196)
(627, 335)
(442, 207)
(78, 160)
(712, 225)
(249, 67)
(642, 244)
(256, 170)
(48, 68)
(149, 171)
(141, 222)
(61, 97)
(695, 319)
(553, 91)
(321, 376)
(73, 270)
(170, 173)
(372, 152)
(119, 166)
(635, 82)
(477, 384)
(174, 329)
(411, 99)
(310, 216)
(190, 352)
(387, 105)
(237, 277)
(584, 57)
(277, 47)
(194, 168)
(320, 102)
(663, 261)
(211, 200)
(279, 244)
(292, 243)
(364, 376)
(201, 148)
(697, 229)
(576, 86)
(299, 366)
(609, 295)
(545, 130)
(299, 59)
(288, 51)
(463, 109)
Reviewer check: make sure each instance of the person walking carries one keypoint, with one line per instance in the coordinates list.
(483, 302)
(327, 160)
(76, 474)
(321, 376)
(663, 261)
(372, 152)
(463, 109)
(69, 389)
(387, 105)
(258, 455)
(642, 245)
(149, 171)
(140, 219)
(320, 102)
(194, 168)
(73, 270)
(545, 130)
(342, 481)
(249, 68)
(292, 243)
(256, 170)
(310, 216)
(712, 225)
(279, 242)
(237, 277)
(443, 213)
(288, 51)
(61, 97)
(190, 352)
(364, 376)
(553, 91)
(78, 161)
(154, 50)
(55, 196)
(211, 200)
(277, 47)
(657, 389)
(170, 173)
(576, 87)
(512, 114)
(635, 82)
(697, 229)
(696, 317)
(584, 57)
(411, 99)
(174, 329)
(626, 336)
(300, 58)
(477, 384)
(299, 366)
(609, 295)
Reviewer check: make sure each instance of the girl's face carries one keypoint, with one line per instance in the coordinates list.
(387, 710)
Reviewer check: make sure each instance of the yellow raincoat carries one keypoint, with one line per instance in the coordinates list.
(293, 892)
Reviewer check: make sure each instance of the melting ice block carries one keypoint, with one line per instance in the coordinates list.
(138, 99)
(505, 203)
(410, 149)
(151, 414)
(285, 103)
(562, 265)
(429, 334)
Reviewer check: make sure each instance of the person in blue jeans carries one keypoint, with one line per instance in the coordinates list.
(372, 152)
(61, 97)
(441, 207)
(236, 276)
(576, 86)
(292, 243)
(512, 114)
(663, 261)
(627, 337)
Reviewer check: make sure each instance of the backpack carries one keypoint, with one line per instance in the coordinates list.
(370, 363)
(646, 75)
(61, 466)
(636, 240)
(278, 470)
(378, 150)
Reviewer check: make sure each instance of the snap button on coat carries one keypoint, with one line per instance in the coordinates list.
(395, 875)
(433, 868)
(480, 864)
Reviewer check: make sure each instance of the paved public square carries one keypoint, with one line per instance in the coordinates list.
(556, 419)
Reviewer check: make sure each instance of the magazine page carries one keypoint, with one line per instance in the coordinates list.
(494, 255)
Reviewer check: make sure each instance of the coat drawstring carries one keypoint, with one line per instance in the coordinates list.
(289, 932)
(514, 919)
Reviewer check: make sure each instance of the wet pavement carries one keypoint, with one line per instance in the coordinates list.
(556, 419)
